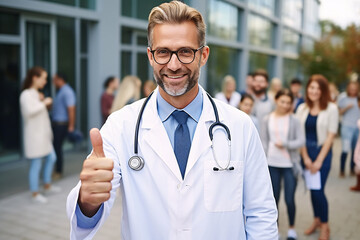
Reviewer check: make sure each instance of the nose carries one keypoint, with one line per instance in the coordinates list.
(174, 63)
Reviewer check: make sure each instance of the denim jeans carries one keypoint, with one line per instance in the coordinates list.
(349, 136)
(290, 183)
(35, 167)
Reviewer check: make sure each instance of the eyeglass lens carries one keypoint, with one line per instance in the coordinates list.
(163, 55)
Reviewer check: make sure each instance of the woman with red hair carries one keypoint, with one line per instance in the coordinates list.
(320, 118)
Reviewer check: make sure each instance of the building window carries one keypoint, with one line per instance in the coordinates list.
(311, 17)
(307, 44)
(223, 61)
(138, 8)
(66, 48)
(9, 23)
(142, 66)
(127, 35)
(292, 12)
(83, 99)
(263, 6)
(290, 70)
(290, 41)
(84, 96)
(223, 20)
(260, 31)
(134, 58)
(260, 61)
(87, 4)
(125, 62)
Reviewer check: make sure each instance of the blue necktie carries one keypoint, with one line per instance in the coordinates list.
(182, 141)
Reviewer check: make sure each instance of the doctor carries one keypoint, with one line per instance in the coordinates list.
(177, 194)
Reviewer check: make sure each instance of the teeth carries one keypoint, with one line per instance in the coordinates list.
(175, 77)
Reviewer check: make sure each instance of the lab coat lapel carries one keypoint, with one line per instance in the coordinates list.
(201, 141)
(154, 134)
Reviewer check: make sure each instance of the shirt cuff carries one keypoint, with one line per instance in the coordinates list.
(88, 222)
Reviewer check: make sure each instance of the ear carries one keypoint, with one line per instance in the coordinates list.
(150, 57)
(204, 55)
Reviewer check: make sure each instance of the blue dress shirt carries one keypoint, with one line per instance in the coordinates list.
(194, 109)
(64, 98)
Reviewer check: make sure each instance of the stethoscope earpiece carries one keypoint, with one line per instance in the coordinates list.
(216, 169)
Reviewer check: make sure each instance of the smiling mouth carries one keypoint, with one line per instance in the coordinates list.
(174, 77)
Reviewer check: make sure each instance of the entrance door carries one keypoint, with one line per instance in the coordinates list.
(40, 48)
(10, 140)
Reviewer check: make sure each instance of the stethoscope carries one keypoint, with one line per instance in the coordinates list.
(137, 163)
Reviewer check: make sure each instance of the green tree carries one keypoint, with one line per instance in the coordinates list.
(336, 55)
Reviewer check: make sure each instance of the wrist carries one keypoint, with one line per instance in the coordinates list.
(88, 209)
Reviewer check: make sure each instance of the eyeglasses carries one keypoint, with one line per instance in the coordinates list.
(185, 55)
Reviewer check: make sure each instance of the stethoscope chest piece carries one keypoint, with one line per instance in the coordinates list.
(136, 163)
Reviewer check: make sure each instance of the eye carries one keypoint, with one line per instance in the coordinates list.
(162, 52)
(185, 51)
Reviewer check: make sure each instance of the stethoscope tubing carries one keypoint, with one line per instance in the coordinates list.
(217, 122)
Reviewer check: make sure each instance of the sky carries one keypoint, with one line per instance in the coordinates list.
(342, 12)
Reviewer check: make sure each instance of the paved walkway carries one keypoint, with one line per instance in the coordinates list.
(21, 219)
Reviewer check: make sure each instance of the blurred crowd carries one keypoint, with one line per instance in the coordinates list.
(297, 128)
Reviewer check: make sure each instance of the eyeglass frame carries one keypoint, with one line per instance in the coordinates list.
(176, 54)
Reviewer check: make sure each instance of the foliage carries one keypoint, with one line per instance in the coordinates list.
(336, 55)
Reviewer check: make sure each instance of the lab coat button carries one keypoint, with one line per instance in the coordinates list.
(179, 186)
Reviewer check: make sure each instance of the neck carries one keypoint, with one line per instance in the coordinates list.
(61, 85)
(34, 87)
(260, 95)
(109, 91)
(279, 113)
(228, 94)
(182, 101)
(316, 104)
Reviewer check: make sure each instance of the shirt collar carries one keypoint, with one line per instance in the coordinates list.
(194, 108)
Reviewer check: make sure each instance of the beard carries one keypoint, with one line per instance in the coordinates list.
(175, 90)
(259, 91)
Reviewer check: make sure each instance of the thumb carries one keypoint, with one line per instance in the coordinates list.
(97, 143)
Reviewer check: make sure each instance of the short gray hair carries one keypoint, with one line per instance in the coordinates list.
(176, 12)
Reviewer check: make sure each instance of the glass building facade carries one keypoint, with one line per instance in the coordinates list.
(89, 40)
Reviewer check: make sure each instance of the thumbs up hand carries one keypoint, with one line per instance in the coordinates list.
(95, 176)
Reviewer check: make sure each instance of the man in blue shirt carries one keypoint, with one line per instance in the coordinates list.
(63, 117)
(350, 112)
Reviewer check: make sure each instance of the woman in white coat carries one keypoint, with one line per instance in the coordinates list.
(37, 132)
(229, 94)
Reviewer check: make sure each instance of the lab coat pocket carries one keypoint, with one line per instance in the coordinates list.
(223, 189)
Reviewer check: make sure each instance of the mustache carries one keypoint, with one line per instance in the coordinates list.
(170, 72)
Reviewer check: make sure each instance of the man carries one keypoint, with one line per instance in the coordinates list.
(181, 192)
(295, 88)
(249, 81)
(63, 118)
(263, 104)
(350, 112)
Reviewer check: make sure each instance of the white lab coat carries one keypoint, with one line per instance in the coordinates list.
(158, 204)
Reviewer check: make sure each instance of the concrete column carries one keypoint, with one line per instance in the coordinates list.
(103, 61)
(245, 54)
(278, 60)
